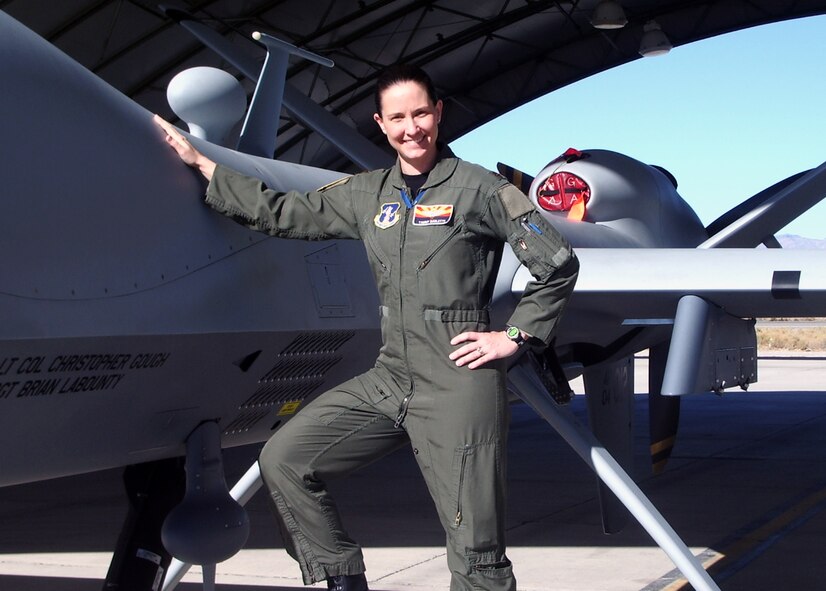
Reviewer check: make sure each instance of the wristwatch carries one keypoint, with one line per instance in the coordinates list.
(515, 335)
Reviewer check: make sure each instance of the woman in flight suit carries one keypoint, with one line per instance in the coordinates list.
(434, 228)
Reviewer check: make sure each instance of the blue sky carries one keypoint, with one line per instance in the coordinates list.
(728, 116)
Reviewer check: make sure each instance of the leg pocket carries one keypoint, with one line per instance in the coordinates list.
(487, 571)
(478, 496)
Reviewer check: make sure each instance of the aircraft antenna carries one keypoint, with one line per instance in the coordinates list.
(260, 131)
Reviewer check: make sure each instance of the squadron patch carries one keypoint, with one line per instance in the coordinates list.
(388, 215)
(432, 215)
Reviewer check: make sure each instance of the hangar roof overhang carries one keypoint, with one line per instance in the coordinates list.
(486, 57)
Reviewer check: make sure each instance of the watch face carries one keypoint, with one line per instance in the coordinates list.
(512, 332)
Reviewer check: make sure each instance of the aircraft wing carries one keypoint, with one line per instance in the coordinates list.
(627, 300)
(646, 284)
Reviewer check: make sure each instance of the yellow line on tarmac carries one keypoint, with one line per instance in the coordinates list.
(752, 539)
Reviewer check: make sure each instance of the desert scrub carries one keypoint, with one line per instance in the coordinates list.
(793, 338)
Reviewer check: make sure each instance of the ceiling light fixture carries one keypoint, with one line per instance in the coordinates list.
(608, 14)
(654, 42)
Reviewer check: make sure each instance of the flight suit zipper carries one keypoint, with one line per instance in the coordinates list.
(458, 521)
(379, 254)
(403, 409)
(405, 403)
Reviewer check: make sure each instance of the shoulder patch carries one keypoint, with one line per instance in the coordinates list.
(516, 203)
(336, 183)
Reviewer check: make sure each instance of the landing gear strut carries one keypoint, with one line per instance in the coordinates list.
(140, 559)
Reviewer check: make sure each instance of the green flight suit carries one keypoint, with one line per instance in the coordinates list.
(434, 257)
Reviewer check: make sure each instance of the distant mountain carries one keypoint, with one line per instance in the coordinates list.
(793, 241)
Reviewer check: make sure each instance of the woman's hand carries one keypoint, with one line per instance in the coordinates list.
(185, 150)
(481, 348)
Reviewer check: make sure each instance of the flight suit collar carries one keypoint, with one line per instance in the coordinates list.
(446, 163)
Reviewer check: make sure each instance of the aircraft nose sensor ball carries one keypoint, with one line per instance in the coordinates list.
(208, 526)
(209, 100)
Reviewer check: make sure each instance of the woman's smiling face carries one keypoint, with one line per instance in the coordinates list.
(410, 121)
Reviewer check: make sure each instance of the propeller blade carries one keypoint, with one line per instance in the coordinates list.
(521, 180)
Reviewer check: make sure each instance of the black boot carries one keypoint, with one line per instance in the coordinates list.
(347, 583)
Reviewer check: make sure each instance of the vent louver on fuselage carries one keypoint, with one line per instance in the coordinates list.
(299, 369)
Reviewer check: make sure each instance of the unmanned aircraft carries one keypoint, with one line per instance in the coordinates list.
(138, 326)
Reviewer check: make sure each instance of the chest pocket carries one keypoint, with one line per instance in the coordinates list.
(380, 262)
(444, 238)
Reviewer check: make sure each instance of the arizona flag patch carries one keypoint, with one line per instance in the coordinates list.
(432, 215)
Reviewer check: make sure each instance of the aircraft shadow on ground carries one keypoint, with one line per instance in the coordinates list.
(66, 584)
(552, 493)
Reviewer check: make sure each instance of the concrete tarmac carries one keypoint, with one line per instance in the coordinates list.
(745, 488)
